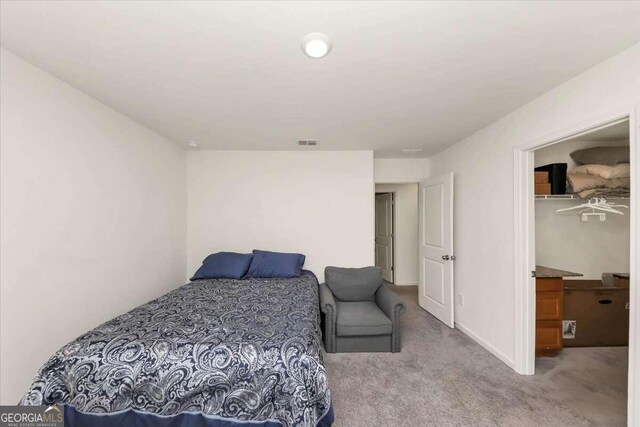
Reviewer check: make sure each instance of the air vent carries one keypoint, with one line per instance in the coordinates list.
(308, 142)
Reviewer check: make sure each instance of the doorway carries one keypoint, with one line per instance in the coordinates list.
(528, 304)
(396, 232)
(384, 238)
(582, 242)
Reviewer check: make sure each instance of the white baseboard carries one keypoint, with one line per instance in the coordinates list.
(490, 348)
(406, 284)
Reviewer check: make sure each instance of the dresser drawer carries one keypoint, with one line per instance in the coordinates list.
(549, 285)
(549, 335)
(549, 306)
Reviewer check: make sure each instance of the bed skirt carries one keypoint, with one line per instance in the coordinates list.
(134, 418)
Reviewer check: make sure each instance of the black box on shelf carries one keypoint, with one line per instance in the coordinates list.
(557, 176)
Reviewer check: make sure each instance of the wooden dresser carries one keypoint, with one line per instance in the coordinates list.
(548, 316)
(549, 301)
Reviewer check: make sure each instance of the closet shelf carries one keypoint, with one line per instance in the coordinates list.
(556, 197)
(569, 197)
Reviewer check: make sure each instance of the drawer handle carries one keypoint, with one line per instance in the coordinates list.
(605, 301)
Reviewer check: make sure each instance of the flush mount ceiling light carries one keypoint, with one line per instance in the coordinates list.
(316, 45)
(194, 144)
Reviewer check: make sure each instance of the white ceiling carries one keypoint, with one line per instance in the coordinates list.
(400, 75)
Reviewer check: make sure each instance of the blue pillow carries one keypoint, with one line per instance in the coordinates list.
(275, 264)
(224, 265)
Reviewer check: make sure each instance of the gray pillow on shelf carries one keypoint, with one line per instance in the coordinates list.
(353, 284)
(602, 156)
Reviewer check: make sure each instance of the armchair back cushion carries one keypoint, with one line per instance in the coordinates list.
(353, 284)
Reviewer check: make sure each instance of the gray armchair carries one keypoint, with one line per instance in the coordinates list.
(360, 314)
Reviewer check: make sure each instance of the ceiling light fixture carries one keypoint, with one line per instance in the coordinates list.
(194, 144)
(308, 142)
(316, 45)
(411, 150)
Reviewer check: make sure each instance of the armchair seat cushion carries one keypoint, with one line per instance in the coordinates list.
(361, 318)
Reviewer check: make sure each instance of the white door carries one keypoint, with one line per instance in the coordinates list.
(384, 234)
(436, 247)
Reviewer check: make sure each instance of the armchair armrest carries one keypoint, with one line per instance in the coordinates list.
(393, 307)
(328, 308)
(327, 301)
(390, 303)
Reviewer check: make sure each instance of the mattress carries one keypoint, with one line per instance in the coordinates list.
(211, 353)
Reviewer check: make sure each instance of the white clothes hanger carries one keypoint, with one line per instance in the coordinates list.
(596, 204)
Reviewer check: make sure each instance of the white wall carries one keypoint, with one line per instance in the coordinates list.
(406, 231)
(319, 203)
(564, 241)
(593, 247)
(484, 190)
(400, 170)
(92, 218)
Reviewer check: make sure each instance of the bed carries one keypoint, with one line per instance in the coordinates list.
(218, 352)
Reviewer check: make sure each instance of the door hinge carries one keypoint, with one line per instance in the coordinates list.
(533, 273)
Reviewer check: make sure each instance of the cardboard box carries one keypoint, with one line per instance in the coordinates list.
(541, 177)
(601, 314)
(543, 188)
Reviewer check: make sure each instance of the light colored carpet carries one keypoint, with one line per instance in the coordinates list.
(443, 378)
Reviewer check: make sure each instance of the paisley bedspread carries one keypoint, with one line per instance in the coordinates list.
(229, 351)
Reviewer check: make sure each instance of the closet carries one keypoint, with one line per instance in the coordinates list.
(582, 239)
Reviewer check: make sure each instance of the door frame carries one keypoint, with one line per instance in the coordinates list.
(391, 181)
(393, 231)
(524, 248)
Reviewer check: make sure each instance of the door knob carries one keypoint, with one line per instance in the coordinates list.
(445, 257)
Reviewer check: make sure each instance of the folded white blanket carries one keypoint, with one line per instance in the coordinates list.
(621, 170)
(583, 181)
